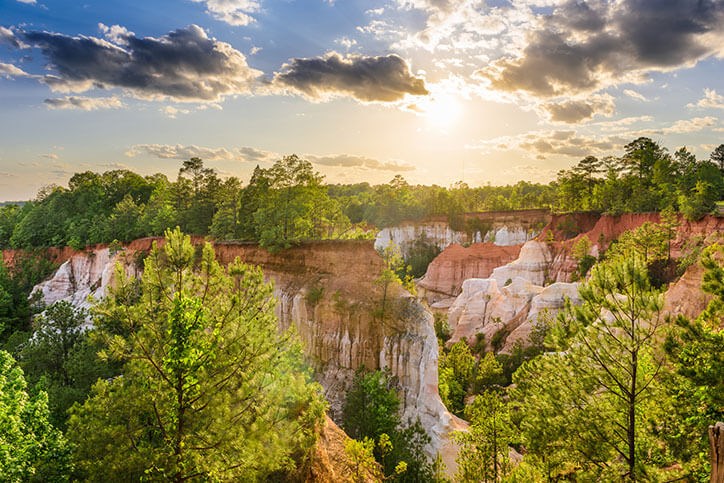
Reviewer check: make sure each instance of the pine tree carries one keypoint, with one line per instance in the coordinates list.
(210, 388)
(588, 407)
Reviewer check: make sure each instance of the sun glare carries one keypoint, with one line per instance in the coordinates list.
(442, 110)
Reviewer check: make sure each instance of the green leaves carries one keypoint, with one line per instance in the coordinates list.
(210, 389)
(30, 448)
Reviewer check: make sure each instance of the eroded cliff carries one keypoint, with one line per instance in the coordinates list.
(328, 292)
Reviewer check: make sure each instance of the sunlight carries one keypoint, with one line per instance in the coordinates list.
(442, 110)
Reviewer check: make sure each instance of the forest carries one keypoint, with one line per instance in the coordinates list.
(185, 362)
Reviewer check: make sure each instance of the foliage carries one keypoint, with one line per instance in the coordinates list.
(591, 406)
(581, 252)
(483, 455)
(456, 373)
(371, 411)
(30, 448)
(360, 458)
(419, 255)
(62, 358)
(697, 385)
(442, 328)
(16, 283)
(295, 206)
(210, 388)
(288, 203)
(395, 274)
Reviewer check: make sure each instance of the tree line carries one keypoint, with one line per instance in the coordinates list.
(289, 202)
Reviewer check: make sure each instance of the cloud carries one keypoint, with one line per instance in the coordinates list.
(9, 70)
(28, 2)
(586, 46)
(711, 100)
(84, 103)
(580, 110)
(51, 156)
(542, 144)
(346, 42)
(695, 124)
(183, 65)
(233, 12)
(179, 151)
(351, 161)
(7, 36)
(171, 111)
(635, 95)
(368, 79)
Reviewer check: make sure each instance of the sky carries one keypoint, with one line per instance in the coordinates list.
(437, 91)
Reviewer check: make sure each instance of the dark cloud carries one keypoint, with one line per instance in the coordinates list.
(385, 78)
(351, 161)
(183, 65)
(585, 46)
(579, 110)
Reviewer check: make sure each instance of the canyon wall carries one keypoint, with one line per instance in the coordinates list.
(327, 291)
(512, 296)
(501, 228)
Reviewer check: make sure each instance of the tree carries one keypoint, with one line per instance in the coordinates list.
(371, 411)
(30, 448)
(717, 156)
(210, 388)
(591, 402)
(697, 385)
(61, 357)
(296, 205)
(484, 449)
(395, 274)
(457, 369)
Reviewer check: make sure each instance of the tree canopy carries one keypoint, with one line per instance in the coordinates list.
(210, 389)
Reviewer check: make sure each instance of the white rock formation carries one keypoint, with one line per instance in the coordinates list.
(532, 264)
(508, 236)
(83, 277)
(549, 301)
(484, 307)
(438, 233)
(441, 235)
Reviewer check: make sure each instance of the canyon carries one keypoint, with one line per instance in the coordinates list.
(328, 291)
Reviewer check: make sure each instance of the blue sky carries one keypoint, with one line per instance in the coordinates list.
(435, 90)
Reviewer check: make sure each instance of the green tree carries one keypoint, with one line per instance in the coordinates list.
(296, 205)
(592, 403)
(61, 357)
(483, 455)
(457, 370)
(371, 407)
(697, 386)
(717, 156)
(210, 388)
(371, 411)
(30, 448)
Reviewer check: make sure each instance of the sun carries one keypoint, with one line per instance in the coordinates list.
(442, 110)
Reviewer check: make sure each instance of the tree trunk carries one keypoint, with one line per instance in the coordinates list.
(716, 441)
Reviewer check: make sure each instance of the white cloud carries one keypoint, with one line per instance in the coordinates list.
(180, 151)
(84, 103)
(9, 70)
(234, 12)
(711, 100)
(635, 95)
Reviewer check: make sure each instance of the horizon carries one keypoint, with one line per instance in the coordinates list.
(437, 91)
